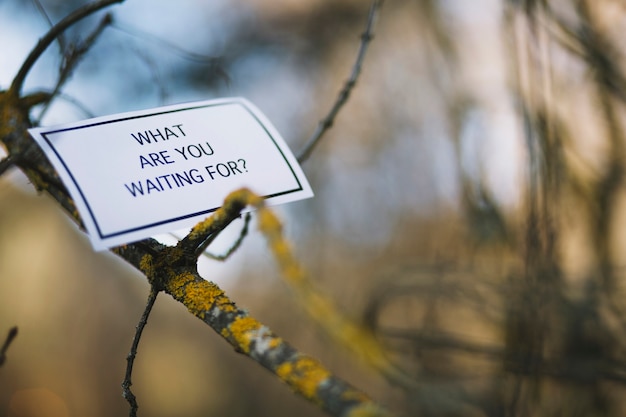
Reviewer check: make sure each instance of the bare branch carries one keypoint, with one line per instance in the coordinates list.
(130, 359)
(7, 342)
(72, 56)
(326, 123)
(48, 38)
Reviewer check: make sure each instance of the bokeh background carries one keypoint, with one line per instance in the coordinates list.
(468, 207)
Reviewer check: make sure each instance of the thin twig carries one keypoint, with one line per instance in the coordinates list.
(7, 342)
(48, 38)
(326, 123)
(242, 235)
(71, 58)
(126, 384)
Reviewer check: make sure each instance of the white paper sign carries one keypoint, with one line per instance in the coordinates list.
(137, 174)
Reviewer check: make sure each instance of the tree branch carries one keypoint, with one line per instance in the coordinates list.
(72, 57)
(48, 38)
(7, 342)
(327, 122)
(130, 359)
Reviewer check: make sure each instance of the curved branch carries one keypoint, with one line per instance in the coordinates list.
(44, 14)
(71, 59)
(130, 359)
(48, 38)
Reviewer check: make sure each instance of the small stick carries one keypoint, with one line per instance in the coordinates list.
(48, 38)
(71, 57)
(7, 342)
(326, 123)
(130, 359)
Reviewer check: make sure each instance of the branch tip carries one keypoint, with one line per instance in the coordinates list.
(54, 32)
(130, 358)
(7, 342)
(327, 122)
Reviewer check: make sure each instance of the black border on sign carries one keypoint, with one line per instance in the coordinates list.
(175, 219)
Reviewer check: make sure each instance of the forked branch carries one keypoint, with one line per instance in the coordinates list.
(173, 269)
(48, 38)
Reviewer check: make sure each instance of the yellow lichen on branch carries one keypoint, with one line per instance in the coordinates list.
(205, 300)
(319, 307)
(244, 330)
(345, 331)
(305, 375)
(10, 114)
(233, 202)
(172, 270)
(146, 265)
(198, 295)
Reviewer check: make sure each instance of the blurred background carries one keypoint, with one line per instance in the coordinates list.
(468, 207)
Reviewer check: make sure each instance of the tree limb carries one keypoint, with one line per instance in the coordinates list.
(174, 270)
